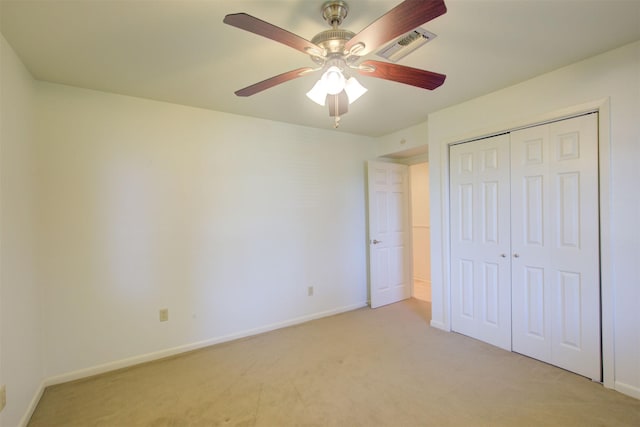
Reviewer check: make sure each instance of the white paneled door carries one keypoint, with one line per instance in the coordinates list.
(525, 242)
(389, 233)
(555, 245)
(480, 267)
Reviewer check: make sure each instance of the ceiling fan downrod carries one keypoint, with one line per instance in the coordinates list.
(334, 12)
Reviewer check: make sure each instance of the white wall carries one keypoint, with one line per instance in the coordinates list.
(420, 225)
(20, 322)
(614, 75)
(224, 220)
(404, 141)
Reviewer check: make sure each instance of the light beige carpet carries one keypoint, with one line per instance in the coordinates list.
(383, 367)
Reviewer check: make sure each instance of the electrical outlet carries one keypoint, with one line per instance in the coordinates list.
(310, 291)
(164, 314)
(3, 397)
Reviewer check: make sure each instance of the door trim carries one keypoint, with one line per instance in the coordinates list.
(603, 107)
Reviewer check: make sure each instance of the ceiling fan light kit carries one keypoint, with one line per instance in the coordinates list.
(338, 52)
(334, 81)
(323, 87)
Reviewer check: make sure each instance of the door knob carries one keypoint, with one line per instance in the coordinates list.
(503, 255)
(375, 242)
(516, 255)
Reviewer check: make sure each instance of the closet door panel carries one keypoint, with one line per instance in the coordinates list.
(575, 250)
(480, 275)
(530, 237)
(555, 246)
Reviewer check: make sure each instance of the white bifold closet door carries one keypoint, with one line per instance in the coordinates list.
(555, 244)
(525, 243)
(480, 267)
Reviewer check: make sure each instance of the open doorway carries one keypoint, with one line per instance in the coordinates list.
(420, 230)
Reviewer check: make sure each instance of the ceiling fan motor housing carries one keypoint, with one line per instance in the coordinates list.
(333, 40)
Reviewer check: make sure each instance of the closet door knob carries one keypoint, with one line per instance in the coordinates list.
(516, 255)
(503, 255)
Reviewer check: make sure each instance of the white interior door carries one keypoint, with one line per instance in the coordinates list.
(480, 264)
(555, 246)
(389, 233)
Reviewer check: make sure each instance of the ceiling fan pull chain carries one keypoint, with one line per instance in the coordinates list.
(336, 117)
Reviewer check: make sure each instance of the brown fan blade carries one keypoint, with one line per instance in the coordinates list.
(399, 73)
(273, 81)
(403, 18)
(338, 104)
(270, 31)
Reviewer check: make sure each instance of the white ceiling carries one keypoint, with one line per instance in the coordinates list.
(181, 52)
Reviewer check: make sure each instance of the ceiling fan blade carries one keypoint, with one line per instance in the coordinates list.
(270, 31)
(273, 81)
(399, 73)
(338, 104)
(403, 18)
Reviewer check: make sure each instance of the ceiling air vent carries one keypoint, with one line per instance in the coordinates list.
(406, 44)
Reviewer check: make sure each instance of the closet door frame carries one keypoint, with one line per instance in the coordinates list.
(602, 107)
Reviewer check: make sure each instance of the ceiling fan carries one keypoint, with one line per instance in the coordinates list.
(337, 52)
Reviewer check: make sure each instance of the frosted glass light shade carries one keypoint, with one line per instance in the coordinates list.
(354, 89)
(335, 80)
(318, 92)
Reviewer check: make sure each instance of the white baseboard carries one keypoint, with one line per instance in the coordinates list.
(136, 360)
(627, 389)
(32, 406)
(439, 325)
